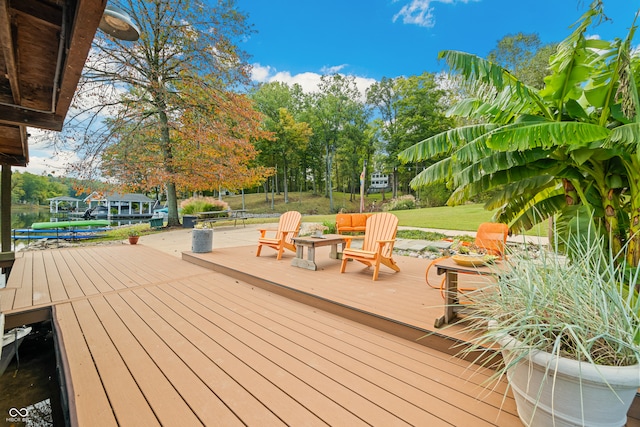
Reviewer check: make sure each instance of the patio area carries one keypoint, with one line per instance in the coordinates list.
(146, 338)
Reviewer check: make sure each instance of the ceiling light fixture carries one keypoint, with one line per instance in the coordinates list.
(119, 24)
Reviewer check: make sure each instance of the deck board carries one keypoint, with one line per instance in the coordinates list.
(86, 390)
(368, 349)
(127, 400)
(340, 355)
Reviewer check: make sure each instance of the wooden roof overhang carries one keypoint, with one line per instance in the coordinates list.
(45, 44)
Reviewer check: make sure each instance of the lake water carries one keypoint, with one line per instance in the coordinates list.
(29, 388)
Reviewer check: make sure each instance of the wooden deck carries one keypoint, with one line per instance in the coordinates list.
(148, 339)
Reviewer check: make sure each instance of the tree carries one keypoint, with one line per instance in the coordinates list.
(524, 56)
(410, 110)
(280, 104)
(185, 47)
(335, 107)
(569, 149)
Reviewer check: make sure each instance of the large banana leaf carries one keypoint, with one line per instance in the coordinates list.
(444, 143)
(546, 135)
(476, 69)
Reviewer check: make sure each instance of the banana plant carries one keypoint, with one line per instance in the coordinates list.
(568, 149)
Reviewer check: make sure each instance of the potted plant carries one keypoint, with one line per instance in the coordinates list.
(317, 230)
(134, 235)
(569, 331)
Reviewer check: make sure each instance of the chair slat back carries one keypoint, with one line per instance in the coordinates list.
(492, 236)
(289, 221)
(381, 226)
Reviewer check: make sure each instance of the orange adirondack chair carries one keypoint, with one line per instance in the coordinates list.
(377, 247)
(491, 236)
(288, 228)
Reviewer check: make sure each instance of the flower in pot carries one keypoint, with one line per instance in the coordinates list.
(134, 235)
(569, 332)
(317, 230)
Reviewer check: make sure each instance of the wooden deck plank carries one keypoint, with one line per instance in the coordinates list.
(71, 285)
(210, 409)
(41, 291)
(89, 405)
(129, 262)
(24, 292)
(54, 283)
(128, 402)
(7, 296)
(401, 382)
(17, 271)
(102, 276)
(254, 375)
(367, 401)
(79, 269)
(168, 405)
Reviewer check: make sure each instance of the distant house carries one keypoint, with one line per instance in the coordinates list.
(63, 204)
(115, 205)
(379, 182)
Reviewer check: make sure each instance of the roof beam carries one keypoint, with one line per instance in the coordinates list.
(13, 115)
(86, 21)
(9, 51)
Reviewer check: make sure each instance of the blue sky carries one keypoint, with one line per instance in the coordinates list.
(297, 41)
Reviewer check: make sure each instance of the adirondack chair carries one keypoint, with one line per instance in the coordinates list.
(288, 228)
(377, 247)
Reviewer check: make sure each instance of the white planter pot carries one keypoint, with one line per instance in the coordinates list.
(201, 240)
(556, 391)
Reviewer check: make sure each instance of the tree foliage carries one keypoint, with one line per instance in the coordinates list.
(570, 148)
(186, 47)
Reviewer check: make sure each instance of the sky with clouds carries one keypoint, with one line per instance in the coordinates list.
(297, 41)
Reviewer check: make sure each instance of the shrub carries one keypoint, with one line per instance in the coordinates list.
(202, 204)
(401, 203)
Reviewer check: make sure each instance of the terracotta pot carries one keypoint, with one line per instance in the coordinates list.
(133, 239)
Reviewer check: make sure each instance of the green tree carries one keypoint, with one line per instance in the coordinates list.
(410, 109)
(184, 45)
(336, 106)
(524, 56)
(569, 149)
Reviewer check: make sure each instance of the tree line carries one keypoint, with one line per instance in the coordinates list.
(176, 111)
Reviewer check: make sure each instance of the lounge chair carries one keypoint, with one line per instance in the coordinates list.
(377, 246)
(288, 228)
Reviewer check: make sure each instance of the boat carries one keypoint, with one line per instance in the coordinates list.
(70, 224)
(11, 340)
(58, 233)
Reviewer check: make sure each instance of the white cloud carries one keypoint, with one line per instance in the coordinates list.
(333, 69)
(308, 81)
(420, 12)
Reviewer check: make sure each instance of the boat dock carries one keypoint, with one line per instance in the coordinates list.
(227, 338)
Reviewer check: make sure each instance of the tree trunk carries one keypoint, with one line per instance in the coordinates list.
(165, 143)
(328, 180)
(285, 181)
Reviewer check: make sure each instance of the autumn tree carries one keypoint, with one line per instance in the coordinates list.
(146, 86)
(212, 149)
